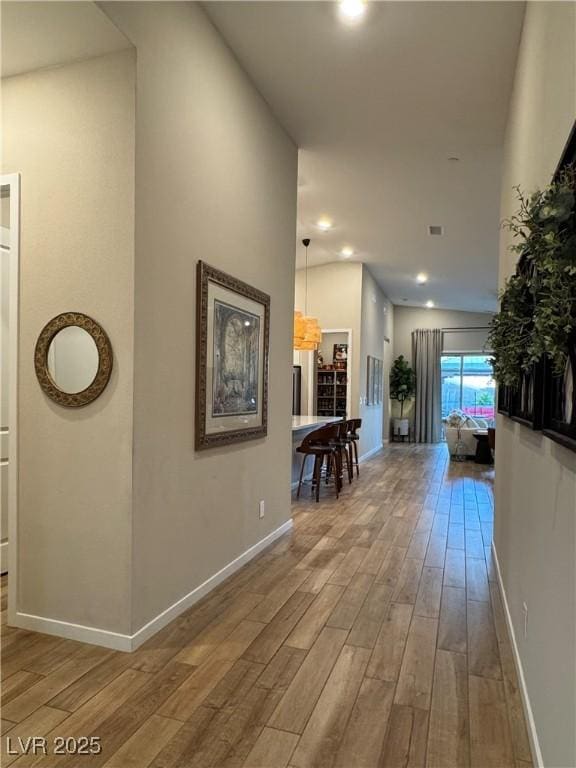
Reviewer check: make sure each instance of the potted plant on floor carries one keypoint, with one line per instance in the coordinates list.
(402, 388)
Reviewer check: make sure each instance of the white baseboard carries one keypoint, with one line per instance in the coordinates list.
(371, 452)
(66, 629)
(532, 733)
(188, 600)
(120, 642)
(4, 557)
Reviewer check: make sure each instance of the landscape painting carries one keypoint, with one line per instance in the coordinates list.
(235, 378)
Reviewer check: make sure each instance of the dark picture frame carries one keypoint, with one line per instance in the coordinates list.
(370, 372)
(374, 380)
(554, 424)
(526, 403)
(504, 400)
(232, 350)
(340, 353)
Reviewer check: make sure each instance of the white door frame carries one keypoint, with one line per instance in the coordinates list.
(348, 366)
(12, 181)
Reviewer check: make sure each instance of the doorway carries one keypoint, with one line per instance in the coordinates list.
(9, 281)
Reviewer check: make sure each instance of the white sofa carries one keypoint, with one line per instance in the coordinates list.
(468, 426)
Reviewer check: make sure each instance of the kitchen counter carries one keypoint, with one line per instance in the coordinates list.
(300, 423)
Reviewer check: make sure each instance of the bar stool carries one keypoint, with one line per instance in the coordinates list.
(320, 444)
(353, 427)
(343, 445)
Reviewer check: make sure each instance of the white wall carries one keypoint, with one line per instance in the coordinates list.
(535, 525)
(345, 295)
(69, 131)
(216, 180)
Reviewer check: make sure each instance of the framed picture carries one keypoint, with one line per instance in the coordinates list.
(340, 353)
(525, 404)
(370, 380)
(559, 418)
(504, 399)
(374, 380)
(559, 411)
(232, 339)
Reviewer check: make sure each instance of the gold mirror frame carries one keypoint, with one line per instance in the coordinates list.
(105, 359)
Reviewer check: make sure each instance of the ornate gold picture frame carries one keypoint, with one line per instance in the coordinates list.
(232, 344)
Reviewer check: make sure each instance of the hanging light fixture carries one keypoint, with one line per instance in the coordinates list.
(299, 329)
(307, 332)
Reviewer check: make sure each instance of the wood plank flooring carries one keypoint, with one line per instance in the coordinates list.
(371, 637)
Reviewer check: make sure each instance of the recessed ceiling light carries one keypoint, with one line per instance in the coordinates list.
(324, 224)
(352, 9)
(421, 278)
(346, 252)
(430, 304)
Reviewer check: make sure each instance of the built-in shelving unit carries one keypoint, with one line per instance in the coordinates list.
(331, 392)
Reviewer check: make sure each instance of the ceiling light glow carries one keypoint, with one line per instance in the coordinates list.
(430, 304)
(347, 252)
(421, 278)
(324, 224)
(352, 9)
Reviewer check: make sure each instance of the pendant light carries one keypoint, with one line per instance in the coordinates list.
(307, 332)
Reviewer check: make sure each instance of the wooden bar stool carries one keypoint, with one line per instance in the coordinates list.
(343, 445)
(320, 444)
(353, 427)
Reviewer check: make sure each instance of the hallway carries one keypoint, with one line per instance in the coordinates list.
(374, 635)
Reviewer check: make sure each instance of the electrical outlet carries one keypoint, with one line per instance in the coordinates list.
(262, 509)
(525, 609)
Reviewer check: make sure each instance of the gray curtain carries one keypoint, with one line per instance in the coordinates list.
(426, 352)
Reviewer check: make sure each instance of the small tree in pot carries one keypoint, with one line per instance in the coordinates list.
(402, 387)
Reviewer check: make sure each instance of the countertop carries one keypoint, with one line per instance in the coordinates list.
(308, 422)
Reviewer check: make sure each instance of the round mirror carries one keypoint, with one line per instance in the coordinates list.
(73, 359)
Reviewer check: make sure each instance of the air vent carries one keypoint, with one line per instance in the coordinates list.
(435, 229)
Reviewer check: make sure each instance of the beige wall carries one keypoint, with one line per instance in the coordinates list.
(345, 295)
(216, 180)
(408, 319)
(334, 297)
(376, 325)
(70, 132)
(535, 526)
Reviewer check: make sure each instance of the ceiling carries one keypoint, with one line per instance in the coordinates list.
(377, 109)
(36, 35)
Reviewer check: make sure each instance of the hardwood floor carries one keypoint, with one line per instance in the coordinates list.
(371, 636)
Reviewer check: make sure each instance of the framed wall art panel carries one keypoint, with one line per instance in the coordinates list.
(232, 342)
(526, 404)
(559, 410)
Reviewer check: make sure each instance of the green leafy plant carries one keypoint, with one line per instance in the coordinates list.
(538, 304)
(402, 382)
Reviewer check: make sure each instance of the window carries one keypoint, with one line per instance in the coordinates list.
(467, 384)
